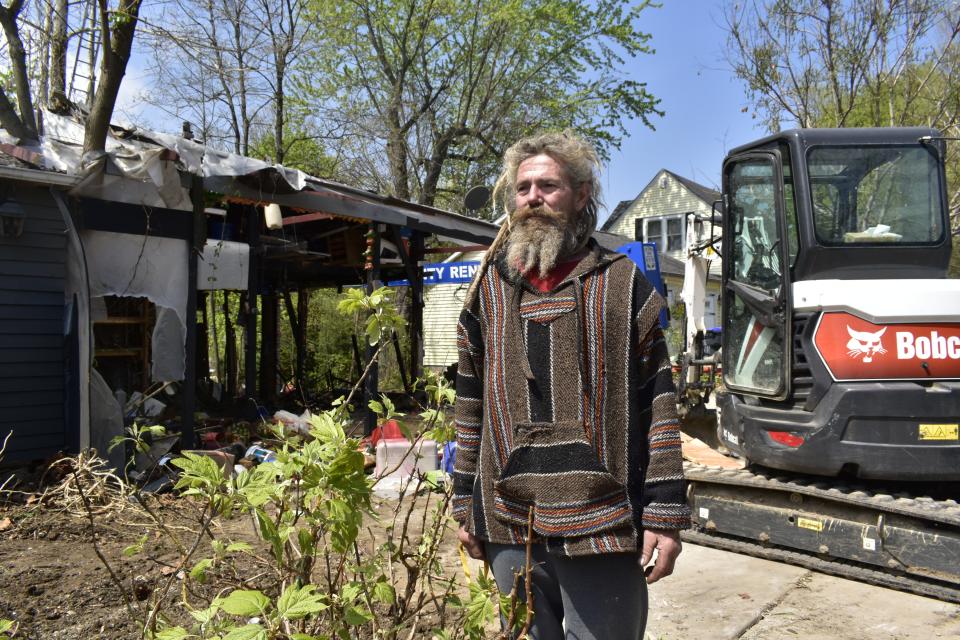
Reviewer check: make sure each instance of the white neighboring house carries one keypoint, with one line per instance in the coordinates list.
(659, 214)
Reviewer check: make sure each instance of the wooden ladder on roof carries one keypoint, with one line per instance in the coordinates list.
(83, 80)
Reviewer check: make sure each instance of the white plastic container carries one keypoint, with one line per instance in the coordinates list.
(397, 459)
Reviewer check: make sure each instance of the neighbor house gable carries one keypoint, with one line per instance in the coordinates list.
(666, 194)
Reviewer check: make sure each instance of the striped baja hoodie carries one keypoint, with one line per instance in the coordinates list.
(566, 406)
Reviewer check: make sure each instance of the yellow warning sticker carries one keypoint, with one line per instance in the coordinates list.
(939, 432)
(810, 523)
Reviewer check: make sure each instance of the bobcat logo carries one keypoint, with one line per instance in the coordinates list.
(864, 343)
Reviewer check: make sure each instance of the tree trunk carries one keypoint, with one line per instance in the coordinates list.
(58, 49)
(9, 119)
(18, 61)
(117, 43)
(397, 157)
(278, 115)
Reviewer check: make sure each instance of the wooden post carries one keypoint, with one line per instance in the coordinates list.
(249, 306)
(188, 439)
(268, 346)
(411, 264)
(372, 383)
(416, 306)
(303, 311)
(229, 349)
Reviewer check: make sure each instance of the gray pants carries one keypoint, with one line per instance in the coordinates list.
(602, 597)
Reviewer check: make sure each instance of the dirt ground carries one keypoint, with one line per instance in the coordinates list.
(54, 585)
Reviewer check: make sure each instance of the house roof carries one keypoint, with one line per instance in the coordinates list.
(706, 194)
(57, 159)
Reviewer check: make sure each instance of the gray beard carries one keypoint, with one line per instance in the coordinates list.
(538, 243)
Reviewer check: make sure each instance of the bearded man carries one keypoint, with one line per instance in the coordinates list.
(565, 412)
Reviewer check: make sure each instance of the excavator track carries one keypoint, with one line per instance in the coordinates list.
(850, 529)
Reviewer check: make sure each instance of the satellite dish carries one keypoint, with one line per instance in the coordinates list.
(476, 197)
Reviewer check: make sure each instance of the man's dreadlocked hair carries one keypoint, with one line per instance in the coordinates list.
(581, 164)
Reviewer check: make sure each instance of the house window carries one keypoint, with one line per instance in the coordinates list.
(666, 231)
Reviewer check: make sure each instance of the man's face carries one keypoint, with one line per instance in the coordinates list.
(541, 180)
(545, 221)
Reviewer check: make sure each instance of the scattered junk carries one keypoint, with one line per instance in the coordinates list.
(400, 463)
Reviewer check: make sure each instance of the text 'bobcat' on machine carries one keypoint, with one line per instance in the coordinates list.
(840, 358)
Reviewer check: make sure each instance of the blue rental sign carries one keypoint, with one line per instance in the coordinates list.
(443, 273)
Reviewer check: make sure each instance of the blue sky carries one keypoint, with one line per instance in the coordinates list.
(702, 99)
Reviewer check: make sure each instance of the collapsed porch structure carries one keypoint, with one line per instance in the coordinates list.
(165, 221)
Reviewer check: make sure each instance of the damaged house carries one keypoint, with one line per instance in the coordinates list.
(104, 269)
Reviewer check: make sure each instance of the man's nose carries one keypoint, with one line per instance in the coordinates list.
(534, 196)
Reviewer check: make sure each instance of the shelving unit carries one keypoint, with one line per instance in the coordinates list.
(122, 342)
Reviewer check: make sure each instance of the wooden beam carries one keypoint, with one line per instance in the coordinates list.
(307, 217)
(454, 249)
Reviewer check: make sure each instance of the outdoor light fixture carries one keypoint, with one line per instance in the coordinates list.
(11, 221)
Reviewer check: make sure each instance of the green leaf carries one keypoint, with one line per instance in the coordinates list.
(157, 430)
(298, 602)
(136, 548)
(383, 592)
(269, 532)
(199, 570)
(234, 547)
(306, 541)
(247, 632)
(172, 633)
(376, 407)
(356, 616)
(349, 592)
(204, 616)
(245, 602)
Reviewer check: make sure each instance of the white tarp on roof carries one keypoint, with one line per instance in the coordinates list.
(140, 159)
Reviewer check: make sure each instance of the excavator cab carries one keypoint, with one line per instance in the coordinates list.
(841, 341)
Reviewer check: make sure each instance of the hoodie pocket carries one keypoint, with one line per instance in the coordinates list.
(554, 470)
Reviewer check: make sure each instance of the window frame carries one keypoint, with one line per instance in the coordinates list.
(663, 241)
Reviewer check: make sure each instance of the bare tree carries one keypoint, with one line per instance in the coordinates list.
(845, 63)
(204, 54)
(286, 28)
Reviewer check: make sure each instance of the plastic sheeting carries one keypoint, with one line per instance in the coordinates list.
(169, 337)
(140, 160)
(76, 288)
(224, 265)
(149, 267)
(106, 420)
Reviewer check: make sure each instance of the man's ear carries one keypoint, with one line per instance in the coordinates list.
(583, 196)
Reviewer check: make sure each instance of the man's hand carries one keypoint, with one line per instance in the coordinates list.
(472, 544)
(666, 542)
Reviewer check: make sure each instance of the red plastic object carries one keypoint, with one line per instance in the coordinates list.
(210, 441)
(389, 430)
